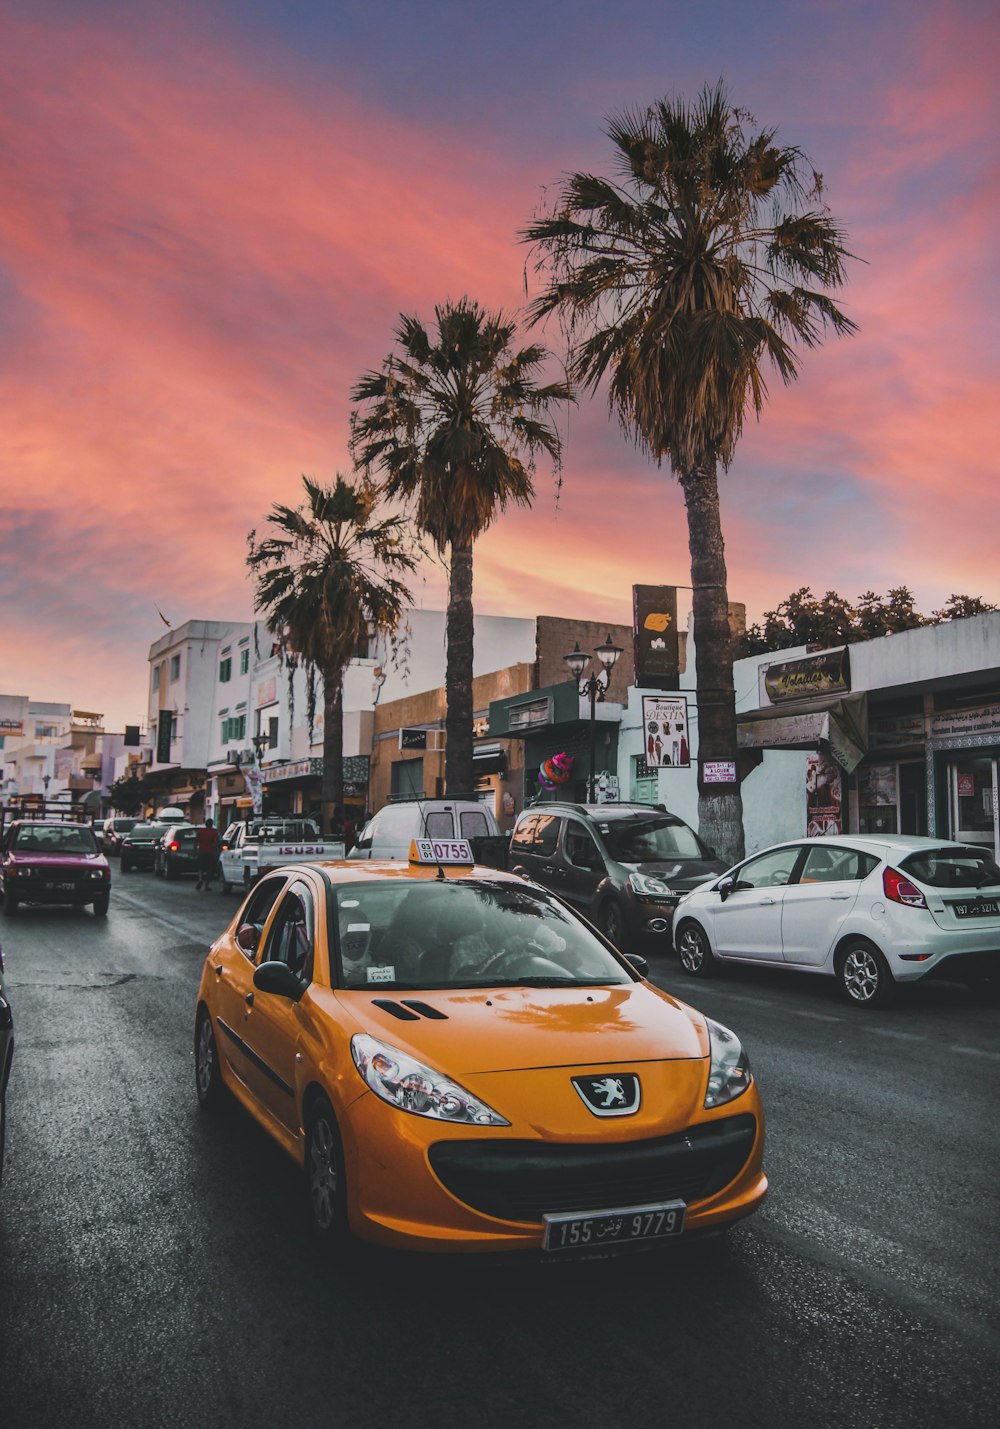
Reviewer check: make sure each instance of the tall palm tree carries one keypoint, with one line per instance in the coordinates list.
(454, 422)
(710, 254)
(329, 576)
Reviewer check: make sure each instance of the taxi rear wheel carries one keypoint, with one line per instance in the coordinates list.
(210, 1087)
(326, 1188)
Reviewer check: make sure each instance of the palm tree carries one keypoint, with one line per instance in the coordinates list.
(454, 423)
(328, 577)
(710, 253)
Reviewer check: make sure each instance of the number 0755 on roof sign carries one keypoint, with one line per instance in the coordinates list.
(441, 851)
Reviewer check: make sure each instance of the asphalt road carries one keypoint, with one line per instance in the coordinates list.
(155, 1269)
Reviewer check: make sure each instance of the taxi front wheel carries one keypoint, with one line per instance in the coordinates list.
(326, 1190)
(210, 1087)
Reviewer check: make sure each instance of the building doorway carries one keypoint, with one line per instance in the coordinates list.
(972, 802)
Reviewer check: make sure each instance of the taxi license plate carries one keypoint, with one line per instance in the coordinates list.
(978, 908)
(617, 1227)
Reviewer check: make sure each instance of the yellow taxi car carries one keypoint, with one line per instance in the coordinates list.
(459, 1062)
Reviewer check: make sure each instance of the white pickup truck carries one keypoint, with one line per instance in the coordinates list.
(252, 849)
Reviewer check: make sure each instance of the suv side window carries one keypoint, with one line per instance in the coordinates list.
(546, 835)
(523, 838)
(580, 848)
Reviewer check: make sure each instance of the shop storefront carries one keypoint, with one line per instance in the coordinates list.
(556, 763)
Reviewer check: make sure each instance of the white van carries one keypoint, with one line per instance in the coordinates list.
(389, 833)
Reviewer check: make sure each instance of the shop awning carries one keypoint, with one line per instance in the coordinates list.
(837, 724)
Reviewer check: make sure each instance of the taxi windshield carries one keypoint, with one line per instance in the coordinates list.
(462, 934)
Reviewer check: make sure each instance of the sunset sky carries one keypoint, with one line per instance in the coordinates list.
(212, 214)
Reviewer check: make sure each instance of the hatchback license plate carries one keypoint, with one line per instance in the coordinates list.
(616, 1227)
(978, 908)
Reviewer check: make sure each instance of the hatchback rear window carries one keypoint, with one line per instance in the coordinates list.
(962, 867)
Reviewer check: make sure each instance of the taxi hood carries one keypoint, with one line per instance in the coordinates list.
(465, 1031)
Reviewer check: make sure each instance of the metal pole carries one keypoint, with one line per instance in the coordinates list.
(592, 685)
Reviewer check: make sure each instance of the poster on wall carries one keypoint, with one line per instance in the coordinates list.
(824, 796)
(665, 730)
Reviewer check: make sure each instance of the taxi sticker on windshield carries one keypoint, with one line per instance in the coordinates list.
(387, 973)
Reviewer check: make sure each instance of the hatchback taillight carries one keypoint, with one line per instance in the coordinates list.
(900, 890)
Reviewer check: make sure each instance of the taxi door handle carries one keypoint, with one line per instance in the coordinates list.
(249, 999)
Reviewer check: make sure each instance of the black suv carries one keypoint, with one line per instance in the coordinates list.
(623, 866)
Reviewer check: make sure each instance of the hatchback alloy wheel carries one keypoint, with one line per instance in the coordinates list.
(865, 978)
(694, 951)
(325, 1173)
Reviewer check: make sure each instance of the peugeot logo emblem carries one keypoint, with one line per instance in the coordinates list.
(616, 1094)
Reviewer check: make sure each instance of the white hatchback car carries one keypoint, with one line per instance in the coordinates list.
(870, 911)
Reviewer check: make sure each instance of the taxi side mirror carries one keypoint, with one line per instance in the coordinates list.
(639, 963)
(247, 937)
(279, 979)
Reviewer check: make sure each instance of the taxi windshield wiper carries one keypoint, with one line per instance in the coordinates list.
(550, 982)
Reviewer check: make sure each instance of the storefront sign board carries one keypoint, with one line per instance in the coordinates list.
(665, 731)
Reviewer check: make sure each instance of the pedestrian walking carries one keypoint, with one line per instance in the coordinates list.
(208, 854)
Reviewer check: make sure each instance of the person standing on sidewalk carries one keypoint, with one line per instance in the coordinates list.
(208, 854)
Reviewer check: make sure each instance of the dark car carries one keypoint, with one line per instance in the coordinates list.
(177, 851)
(114, 830)
(623, 866)
(53, 861)
(6, 1055)
(139, 845)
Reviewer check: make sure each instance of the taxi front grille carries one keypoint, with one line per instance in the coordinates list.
(524, 1180)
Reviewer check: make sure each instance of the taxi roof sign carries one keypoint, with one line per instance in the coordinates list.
(441, 851)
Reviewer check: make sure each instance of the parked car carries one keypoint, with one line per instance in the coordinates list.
(6, 1056)
(390, 832)
(138, 846)
(623, 866)
(52, 861)
(177, 851)
(870, 911)
(250, 850)
(113, 831)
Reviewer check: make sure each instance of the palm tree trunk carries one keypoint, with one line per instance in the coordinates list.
(333, 745)
(720, 806)
(458, 773)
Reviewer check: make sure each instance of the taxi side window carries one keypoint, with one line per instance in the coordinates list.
(291, 938)
(262, 900)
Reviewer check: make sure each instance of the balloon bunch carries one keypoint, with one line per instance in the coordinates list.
(555, 771)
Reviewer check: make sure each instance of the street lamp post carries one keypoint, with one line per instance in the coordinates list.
(594, 686)
(260, 742)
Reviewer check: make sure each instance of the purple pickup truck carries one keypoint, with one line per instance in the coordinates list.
(52, 861)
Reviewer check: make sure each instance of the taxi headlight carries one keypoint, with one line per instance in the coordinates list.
(407, 1084)
(648, 887)
(729, 1073)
